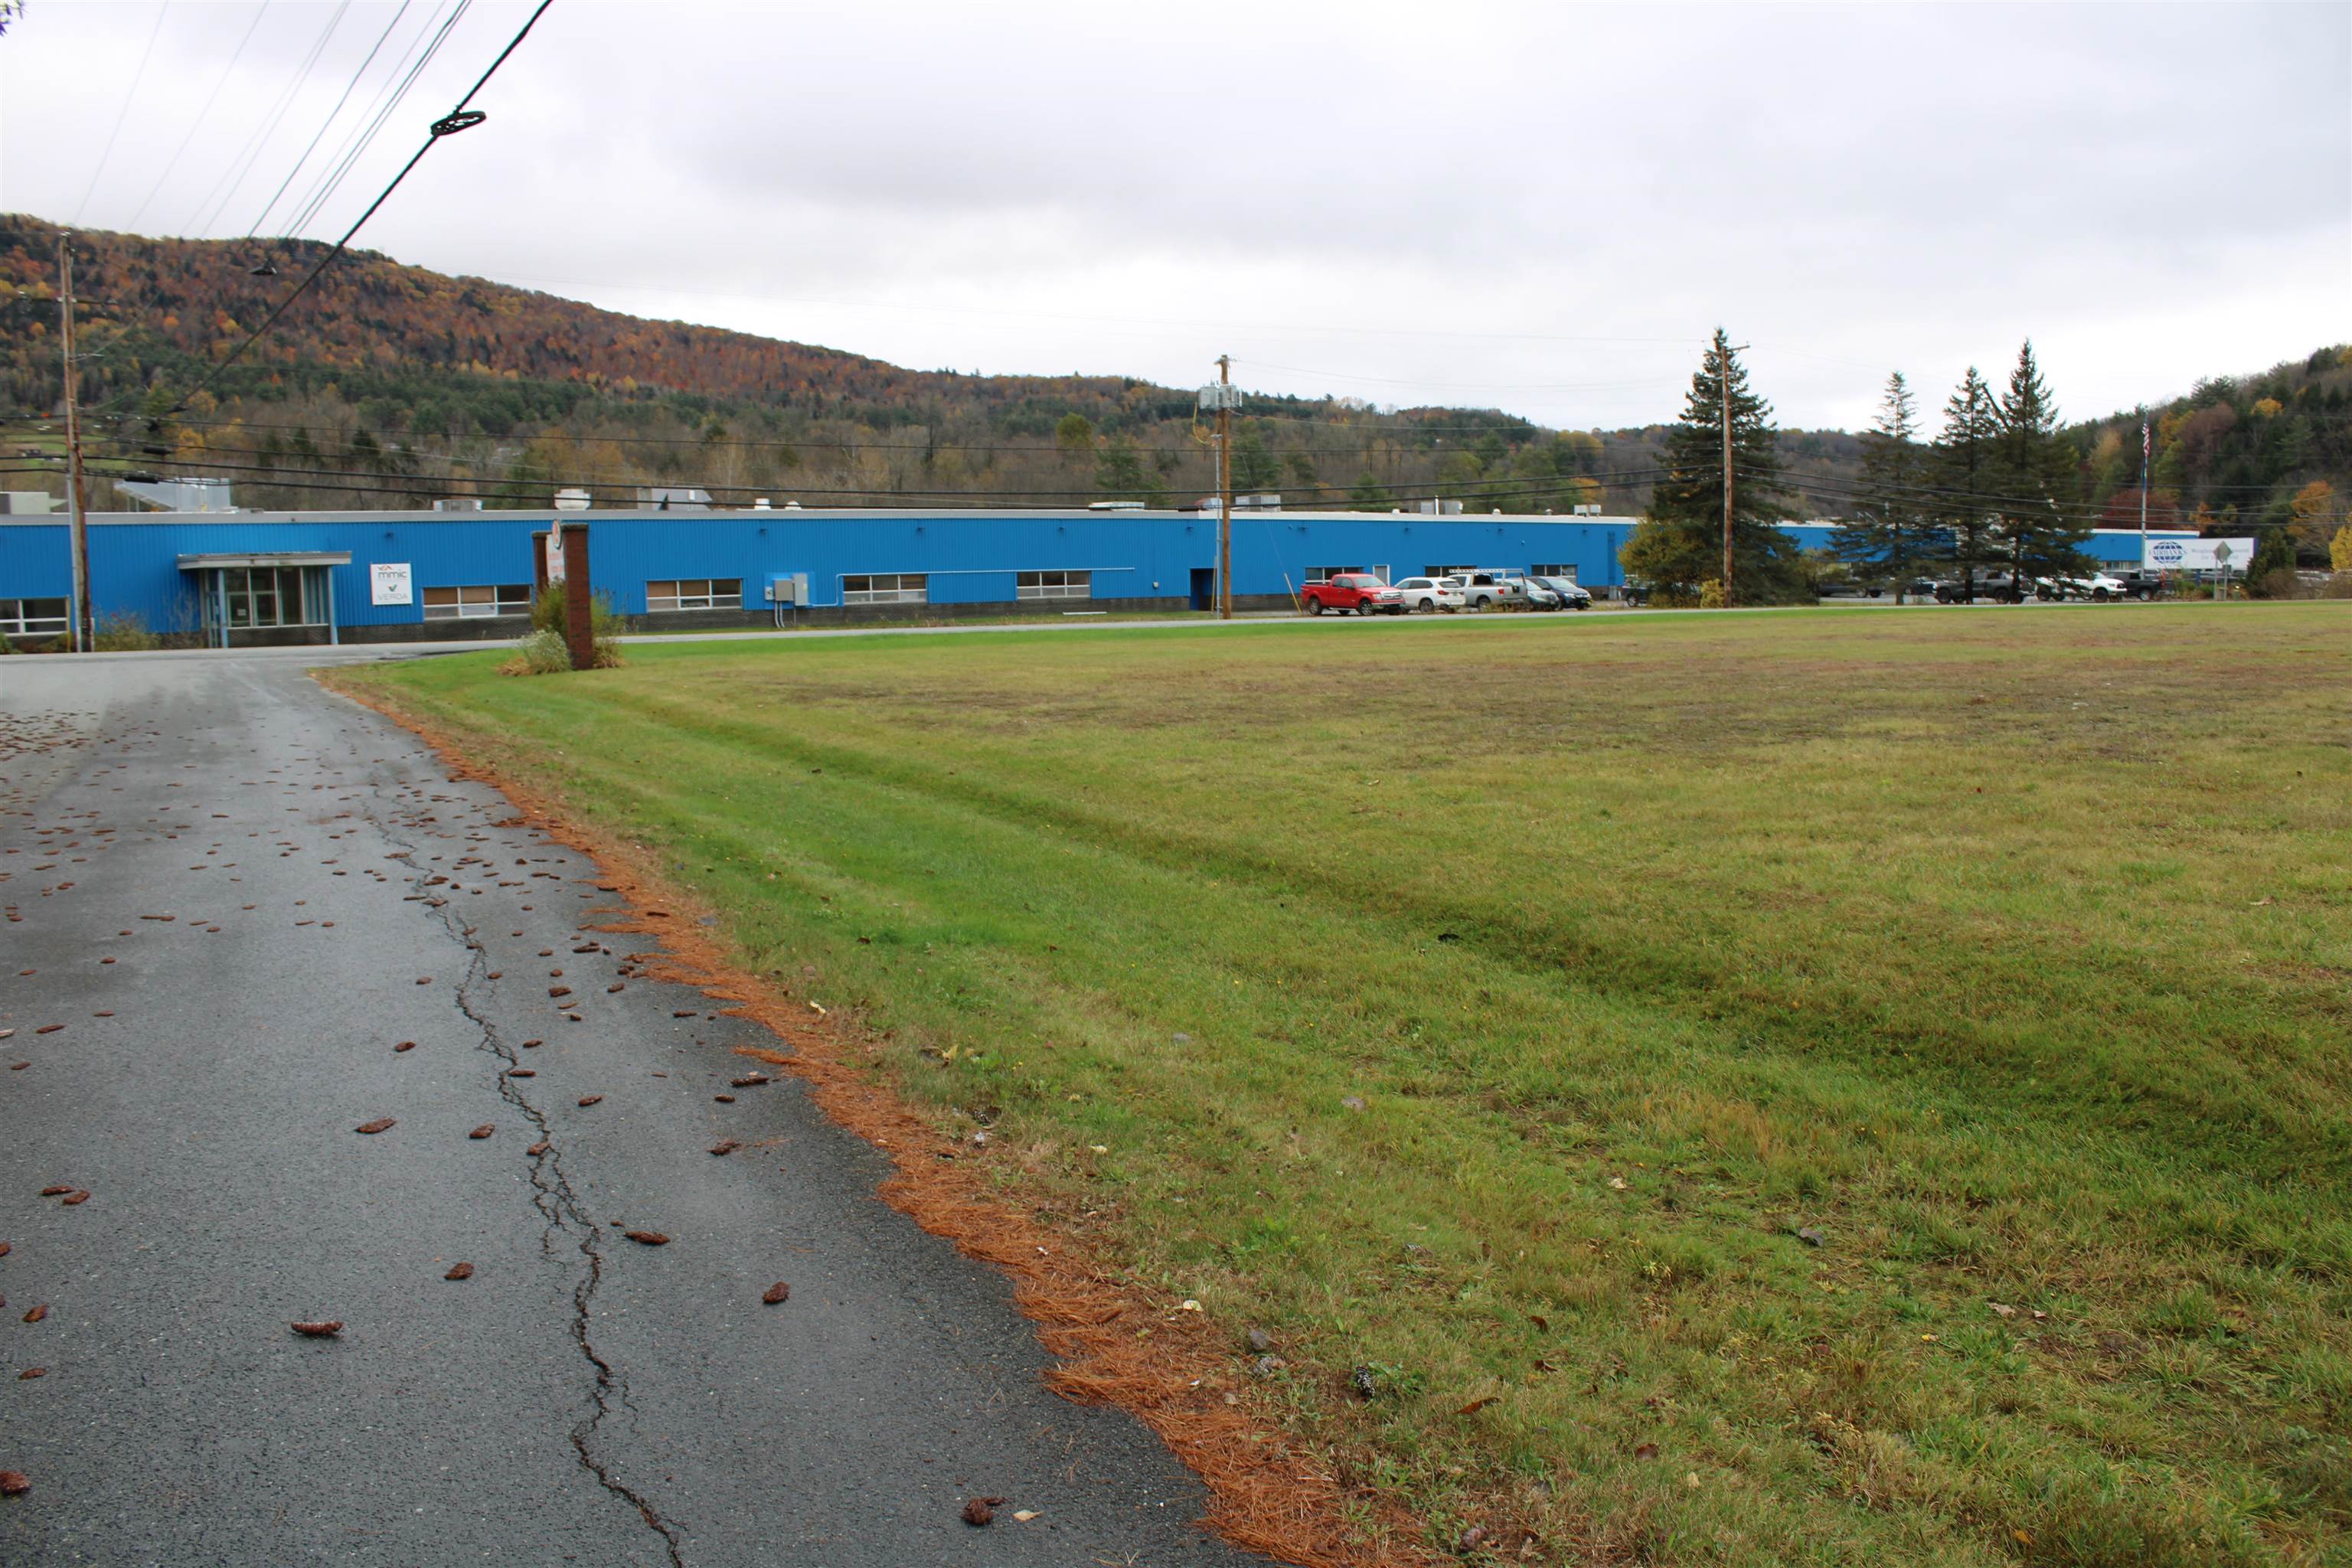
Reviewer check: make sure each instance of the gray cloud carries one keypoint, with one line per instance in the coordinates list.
(1459, 204)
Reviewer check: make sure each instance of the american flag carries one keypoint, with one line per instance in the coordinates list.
(2142, 439)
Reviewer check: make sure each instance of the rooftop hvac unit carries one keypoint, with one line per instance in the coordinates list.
(458, 503)
(571, 499)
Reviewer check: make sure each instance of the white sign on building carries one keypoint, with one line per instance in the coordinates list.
(388, 583)
(2197, 554)
(554, 545)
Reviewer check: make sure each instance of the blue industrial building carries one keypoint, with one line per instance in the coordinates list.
(239, 578)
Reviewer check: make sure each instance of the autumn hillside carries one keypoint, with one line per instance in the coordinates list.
(370, 313)
(388, 384)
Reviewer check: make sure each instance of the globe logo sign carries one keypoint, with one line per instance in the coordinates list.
(2167, 554)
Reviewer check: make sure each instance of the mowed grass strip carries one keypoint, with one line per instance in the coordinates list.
(1493, 1006)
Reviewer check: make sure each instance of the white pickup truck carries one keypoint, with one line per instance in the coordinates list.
(1489, 590)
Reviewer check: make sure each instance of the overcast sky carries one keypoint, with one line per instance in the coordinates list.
(1542, 207)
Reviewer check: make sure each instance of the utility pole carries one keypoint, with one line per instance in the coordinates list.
(2143, 489)
(84, 632)
(1225, 491)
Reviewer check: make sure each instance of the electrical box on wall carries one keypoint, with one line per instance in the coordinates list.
(791, 588)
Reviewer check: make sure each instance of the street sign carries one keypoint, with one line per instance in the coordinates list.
(388, 583)
(2197, 554)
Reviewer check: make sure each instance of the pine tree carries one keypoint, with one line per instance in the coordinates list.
(2042, 534)
(1255, 467)
(1892, 534)
(1369, 495)
(1678, 544)
(1962, 465)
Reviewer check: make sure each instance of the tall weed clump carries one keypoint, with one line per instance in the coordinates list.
(547, 650)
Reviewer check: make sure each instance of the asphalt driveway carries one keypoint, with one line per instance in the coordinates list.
(245, 917)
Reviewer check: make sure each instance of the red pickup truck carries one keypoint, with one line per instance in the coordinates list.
(1345, 591)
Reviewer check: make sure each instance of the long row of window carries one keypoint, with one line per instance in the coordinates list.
(263, 597)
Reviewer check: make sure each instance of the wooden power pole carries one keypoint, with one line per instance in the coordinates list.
(1225, 491)
(84, 631)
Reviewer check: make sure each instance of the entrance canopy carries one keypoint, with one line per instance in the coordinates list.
(259, 592)
(267, 558)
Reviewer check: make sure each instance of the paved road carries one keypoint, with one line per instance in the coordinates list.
(226, 887)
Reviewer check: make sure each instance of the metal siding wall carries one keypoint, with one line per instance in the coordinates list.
(972, 556)
(36, 562)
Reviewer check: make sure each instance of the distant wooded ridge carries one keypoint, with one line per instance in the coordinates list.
(387, 384)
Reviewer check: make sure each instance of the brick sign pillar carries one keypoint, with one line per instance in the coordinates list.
(576, 633)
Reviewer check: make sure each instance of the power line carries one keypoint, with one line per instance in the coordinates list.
(331, 181)
(456, 120)
(210, 98)
(136, 78)
(353, 482)
(368, 117)
(324, 124)
(233, 177)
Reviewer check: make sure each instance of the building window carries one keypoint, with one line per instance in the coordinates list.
(464, 604)
(1567, 571)
(695, 594)
(1053, 585)
(264, 596)
(903, 588)
(29, 618)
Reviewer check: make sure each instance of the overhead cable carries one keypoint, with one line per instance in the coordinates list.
(264, 216)
(132, 93)
(232, 177)
(456, 120)
(202, 114)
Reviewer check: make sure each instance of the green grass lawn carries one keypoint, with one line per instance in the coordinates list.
(1493, 1005)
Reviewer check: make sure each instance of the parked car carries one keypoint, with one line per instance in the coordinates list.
(1482, 590)
(2098, 586)
(2141, 586)
(1850, 588)
(1359, 592)
(1423, 594)
(1998, 587)
(1570, 597)
(1535, 596)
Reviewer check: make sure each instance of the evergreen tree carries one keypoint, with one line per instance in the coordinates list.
(1368, 495)
(1119, 471)
(2041, 533)
(1892, 534)
(1962, 466)
(1678, 544)
(1255, 467)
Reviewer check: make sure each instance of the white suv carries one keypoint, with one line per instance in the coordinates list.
(1427, 593)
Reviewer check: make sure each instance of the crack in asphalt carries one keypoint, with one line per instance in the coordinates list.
(557, 1204)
